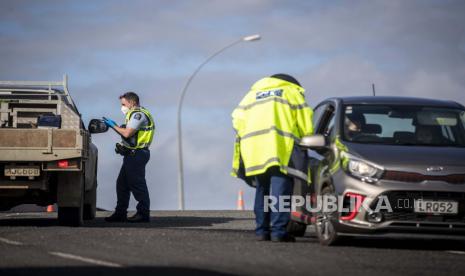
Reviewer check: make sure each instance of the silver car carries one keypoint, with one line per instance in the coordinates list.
(395, 165)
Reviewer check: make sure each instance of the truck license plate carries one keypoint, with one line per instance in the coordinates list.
(436, 207)
(22, 171)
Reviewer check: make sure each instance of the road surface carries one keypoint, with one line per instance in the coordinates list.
(204, 242)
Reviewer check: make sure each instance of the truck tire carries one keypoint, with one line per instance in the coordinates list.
(90, 203)
(70, 197)
(296, 229)
(70, 216)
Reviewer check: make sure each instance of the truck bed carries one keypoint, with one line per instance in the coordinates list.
(40, 144)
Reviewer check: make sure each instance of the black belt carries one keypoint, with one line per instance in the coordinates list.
(123, 150)
(133, 151)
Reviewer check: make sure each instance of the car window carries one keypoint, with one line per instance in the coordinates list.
(326, 122)
(330, 126)
(447, 133)
(317, 113)
(404, 125)
(462, 117)
(390, 125)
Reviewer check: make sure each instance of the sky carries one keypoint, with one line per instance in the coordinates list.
(334, 48)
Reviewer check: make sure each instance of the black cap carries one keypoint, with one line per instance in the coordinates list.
(286, 77)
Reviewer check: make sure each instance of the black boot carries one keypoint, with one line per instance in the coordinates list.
(138, 217)
(265, 237)
(286, 238)
(117, 217)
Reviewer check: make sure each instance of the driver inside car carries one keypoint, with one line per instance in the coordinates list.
(424, 135)
(353, 126)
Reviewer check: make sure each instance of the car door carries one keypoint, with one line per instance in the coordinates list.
(301, 187)
(323, 160)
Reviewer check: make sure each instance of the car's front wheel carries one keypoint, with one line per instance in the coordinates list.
(326, 233)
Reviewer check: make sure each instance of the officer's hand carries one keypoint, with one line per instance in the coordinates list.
(109, 122)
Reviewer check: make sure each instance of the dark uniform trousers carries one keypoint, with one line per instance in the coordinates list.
(276, 184)
(131, 179)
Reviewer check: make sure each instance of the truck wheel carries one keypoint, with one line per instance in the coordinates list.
(326, 233)
(70, 216)
(296, 229)
(90, 203)
(70, 197)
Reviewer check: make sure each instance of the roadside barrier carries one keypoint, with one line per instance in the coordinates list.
(240, 201)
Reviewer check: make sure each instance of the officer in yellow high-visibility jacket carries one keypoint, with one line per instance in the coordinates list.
(137, 135)
(269, 120)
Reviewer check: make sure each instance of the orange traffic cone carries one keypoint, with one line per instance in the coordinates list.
(50, 209)
(240, 201)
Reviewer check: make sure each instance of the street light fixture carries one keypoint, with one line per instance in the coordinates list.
(251, 37)
(181, 100)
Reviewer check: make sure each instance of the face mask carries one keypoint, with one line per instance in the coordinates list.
(124, 109)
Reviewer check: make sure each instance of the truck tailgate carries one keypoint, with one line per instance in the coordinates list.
(39, 144)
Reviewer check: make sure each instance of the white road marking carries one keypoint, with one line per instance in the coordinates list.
(456, 252)
(10, 242)
(84, 259)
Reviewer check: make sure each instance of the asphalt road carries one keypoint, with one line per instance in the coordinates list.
(205, 242)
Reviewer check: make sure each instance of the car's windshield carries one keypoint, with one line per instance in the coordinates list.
(404, 125)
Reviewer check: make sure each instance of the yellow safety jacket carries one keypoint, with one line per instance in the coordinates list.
(268, 121)
(144, 136)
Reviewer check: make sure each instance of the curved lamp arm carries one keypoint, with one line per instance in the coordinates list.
(180, 102)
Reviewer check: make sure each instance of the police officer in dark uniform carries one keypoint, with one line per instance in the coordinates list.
(137, 135)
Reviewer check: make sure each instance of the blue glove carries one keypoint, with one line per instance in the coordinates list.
(109, 122)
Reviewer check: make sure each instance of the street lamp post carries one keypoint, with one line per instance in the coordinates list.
(181, 99)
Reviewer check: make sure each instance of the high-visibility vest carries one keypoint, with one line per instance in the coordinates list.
(144, 135)
(269, 120)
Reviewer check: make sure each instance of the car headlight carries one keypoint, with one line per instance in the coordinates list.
(362, 170)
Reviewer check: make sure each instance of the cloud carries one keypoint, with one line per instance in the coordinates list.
(345, 76)
(335, 48)
(436, 85)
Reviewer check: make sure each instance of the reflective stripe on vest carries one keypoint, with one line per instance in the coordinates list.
(144, 135)
(269, 120)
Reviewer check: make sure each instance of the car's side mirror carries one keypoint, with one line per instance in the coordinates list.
(313, 142)
(97, 126)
